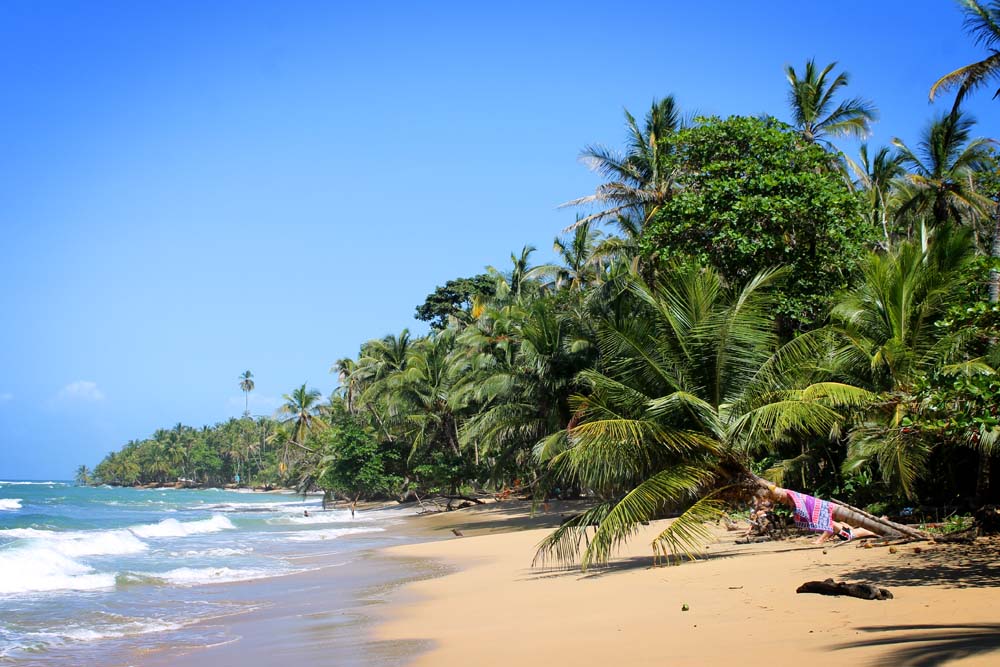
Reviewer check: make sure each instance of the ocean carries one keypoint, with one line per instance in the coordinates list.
(121, 576)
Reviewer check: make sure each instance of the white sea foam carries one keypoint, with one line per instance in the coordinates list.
(196, 576)
(296, 507)
(211, 553)
(10, 504)
(31, 570)
(128, 629)
(329, 534)
(78, 543)
(175, 528)
(3, 483)
(315, 518)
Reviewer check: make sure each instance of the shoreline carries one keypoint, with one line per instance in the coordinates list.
(493, 608)
(328, 612)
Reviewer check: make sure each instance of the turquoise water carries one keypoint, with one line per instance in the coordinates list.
(90, 571)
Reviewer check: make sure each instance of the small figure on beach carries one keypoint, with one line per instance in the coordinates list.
(818, 515)
(305, 513)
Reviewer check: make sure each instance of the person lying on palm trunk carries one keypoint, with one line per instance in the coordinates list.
(818, 515)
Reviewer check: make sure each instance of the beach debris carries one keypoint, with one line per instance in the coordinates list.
(831, 587)
(893, 550)
(685, 607)
(457, 532)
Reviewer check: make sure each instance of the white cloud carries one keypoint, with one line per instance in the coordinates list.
(81, 390)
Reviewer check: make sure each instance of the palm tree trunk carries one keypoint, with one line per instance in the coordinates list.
(995, 254)
(860, 518)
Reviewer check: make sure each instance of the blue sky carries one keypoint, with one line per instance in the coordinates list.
(190, 189)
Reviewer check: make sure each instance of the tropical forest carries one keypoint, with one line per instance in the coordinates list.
(738, 299)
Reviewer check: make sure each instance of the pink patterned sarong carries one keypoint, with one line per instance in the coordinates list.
(812, 513)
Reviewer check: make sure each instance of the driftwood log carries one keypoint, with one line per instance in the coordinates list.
(831, 587)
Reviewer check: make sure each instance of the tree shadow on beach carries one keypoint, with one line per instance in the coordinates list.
(950, 566)
(646, 562)
(929, 645)
(502, 524)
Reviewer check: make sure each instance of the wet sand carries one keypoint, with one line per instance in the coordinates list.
(324, 616)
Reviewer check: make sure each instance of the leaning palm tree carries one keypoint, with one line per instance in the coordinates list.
(982, 21)
(301, 408)
(246, 384)
(939, 182)
(812, 101)
(639, 181)
(692, 382)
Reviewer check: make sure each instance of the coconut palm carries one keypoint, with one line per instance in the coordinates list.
(83, 474)
(524, 368)
(580, 262)
(639, 180)
(522, 280)
(246, 384)
(811, 99)
(874, 176)
(939, 182)
(885, 339)
(982, 21)
(301, 408)
(692, 382)
(428, 396)
(379, 359)
(348, 382)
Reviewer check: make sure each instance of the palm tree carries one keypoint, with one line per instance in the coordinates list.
(521, 281)
(640, 180)
(885, 340)
(348, 382)
(246, 384)
(581, 263)
(982, 21)
(302, 408)
(875, 175)
(523, 372)
(83, 476)
(379, 359)
(692, 382)
(426, 395)
(812, 103)
(941, 171)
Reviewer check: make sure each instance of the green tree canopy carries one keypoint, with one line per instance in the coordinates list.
(754, 195)
(454, 298)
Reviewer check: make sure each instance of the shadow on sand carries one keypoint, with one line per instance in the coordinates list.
(929, 645)
(951, 566)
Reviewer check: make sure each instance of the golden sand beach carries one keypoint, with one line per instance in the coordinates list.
(494, 608)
